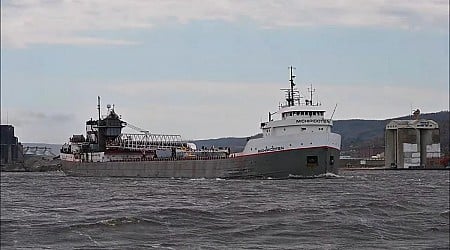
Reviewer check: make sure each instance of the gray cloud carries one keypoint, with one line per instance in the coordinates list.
(37, 126)
(236, 110)
(68, 22)
(23, 118)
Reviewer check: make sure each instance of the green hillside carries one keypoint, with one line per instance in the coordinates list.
(357, 135)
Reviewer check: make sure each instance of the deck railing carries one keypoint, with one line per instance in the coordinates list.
(147, 141)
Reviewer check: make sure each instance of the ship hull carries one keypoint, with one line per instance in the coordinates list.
(305, 162)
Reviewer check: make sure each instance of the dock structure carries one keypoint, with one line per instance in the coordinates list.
(36, 150)
(412, 144)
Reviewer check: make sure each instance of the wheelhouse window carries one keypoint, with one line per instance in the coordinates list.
(312, 161)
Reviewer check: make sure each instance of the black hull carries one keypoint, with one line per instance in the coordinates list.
(278, 165)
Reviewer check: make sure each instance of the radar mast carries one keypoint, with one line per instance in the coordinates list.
(290, 96)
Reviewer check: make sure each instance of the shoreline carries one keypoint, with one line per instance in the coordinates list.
(394, 169)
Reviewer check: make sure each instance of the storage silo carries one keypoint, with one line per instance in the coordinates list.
(412, 143)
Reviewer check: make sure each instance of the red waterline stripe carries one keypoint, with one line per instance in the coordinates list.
(284, 150)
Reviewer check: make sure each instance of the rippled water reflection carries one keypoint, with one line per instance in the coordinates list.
(359, 209)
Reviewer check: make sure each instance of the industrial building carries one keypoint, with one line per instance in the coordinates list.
(11, 150)
(412, 144)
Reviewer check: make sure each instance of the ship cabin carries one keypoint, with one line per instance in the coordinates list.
(296, 116)
(297, 120)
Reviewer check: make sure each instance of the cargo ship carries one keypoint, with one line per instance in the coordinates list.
(296, 142)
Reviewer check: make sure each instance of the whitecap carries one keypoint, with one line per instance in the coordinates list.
(445, 214)
(197, 179)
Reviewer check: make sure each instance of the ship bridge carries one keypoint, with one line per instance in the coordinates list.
(297, 115)
(302, 112)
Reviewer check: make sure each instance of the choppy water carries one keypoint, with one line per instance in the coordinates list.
(364, 209)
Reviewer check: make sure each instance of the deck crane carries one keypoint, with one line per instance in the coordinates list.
(145, 140)
(137, 128)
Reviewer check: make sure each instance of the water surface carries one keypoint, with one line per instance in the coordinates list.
(358, 209)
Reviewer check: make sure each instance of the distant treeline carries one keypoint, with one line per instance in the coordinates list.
(356, 135)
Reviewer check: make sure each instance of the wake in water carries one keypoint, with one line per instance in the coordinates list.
(326, 176)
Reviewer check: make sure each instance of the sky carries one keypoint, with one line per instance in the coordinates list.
(210, 69)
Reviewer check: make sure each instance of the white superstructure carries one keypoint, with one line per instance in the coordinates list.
(298, 144)
(300, 124)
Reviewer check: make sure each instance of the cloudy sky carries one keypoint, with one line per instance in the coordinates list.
(208, 69)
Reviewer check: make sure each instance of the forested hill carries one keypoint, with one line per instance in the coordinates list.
(355, 133)
(362, 133)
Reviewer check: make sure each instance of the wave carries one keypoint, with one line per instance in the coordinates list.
(198, 179)
(119, 221)
(206, 179)
(356, 177)
(326, 176)
(114, 199)
(116, 222)
(254, 229)
(445, 214)
(185, 211)
(272, 212)
(390, 206)
(330, 175)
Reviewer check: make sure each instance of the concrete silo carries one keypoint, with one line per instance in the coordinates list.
(412, 144)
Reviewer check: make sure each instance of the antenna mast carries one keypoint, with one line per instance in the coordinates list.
(333, 111)
(311, 91)
(291, 94)
(98, 107)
